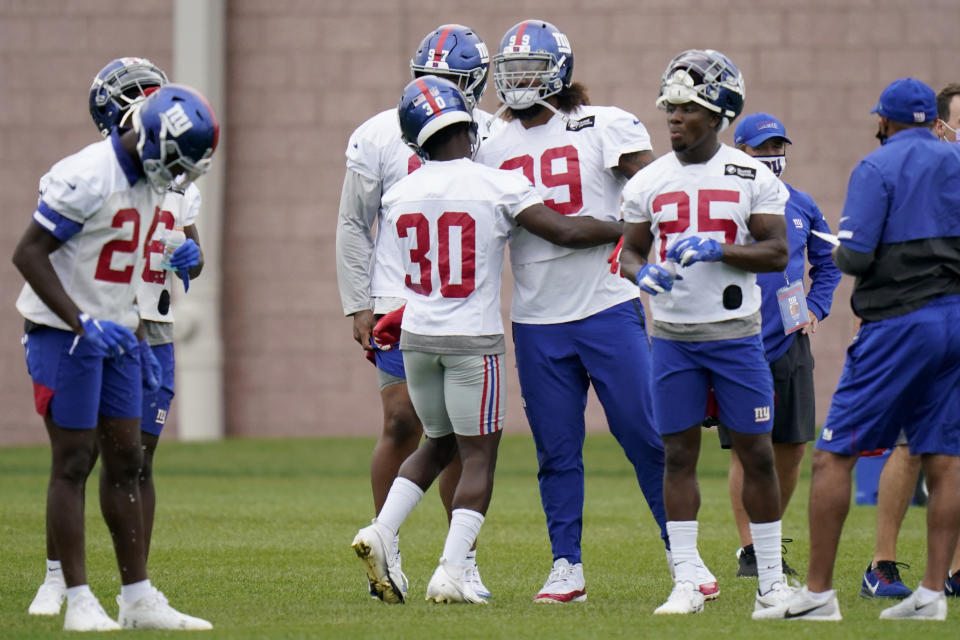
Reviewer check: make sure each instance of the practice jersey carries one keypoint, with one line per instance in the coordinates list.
(178, 210)
(451, 221)
(714, 199)
(377, 152)
(570, 162)
(96, 202)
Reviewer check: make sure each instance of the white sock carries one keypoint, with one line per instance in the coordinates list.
(74, 592)
(54, 571)
(766, 544)
(134, 591)
(683, 548)
(820, 596)
(925, 596)
(403, 498)
(464, 528)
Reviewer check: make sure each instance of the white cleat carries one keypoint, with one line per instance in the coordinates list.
(49, 599)
(448, 585)
(471, 575)
(771, 605)
(153, 612)
(684, 599)
(382, 566)
(707, 582)
(86, 614)
(801, 606)
(564, 584)
(911, 609)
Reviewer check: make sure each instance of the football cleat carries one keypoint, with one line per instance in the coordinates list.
(386, 579)
(564, 584)
(747, 562)
(951, 587)
(448, 585)
(152, 611)
(883, 581)
(774, 599)
(49, 599)
(684, 599)
(911, 609)
(706, 582)
(472, 575)
(84, 613)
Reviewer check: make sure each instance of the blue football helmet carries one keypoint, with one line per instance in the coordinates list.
(118, 86)
(429, 104)
(706, 77)
(535, 61)
(177, 134)
(456, 52)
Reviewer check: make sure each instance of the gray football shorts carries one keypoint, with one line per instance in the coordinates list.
(461, 394)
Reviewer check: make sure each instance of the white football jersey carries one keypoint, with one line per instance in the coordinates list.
(450, 222)
(570, 163)
(98, 265)
(178, 210)
(715, 200)
(377, 151)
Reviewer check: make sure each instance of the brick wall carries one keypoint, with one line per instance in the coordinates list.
(302, 74)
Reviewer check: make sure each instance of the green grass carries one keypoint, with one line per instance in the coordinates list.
(254, 536)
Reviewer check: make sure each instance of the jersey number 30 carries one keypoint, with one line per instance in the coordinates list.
(417, 227)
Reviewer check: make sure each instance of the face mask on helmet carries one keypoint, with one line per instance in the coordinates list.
(177, 135)
(118, 86)
(535, 62)
(457, 53)
(707, 78)
(775, 163)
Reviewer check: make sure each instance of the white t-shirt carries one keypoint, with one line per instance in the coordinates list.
(178, 210)
(450, 222)
(715, 200)
(571, 167)
(377, 151)
(98, 265)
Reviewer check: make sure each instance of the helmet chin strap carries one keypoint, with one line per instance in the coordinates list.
(540, 101)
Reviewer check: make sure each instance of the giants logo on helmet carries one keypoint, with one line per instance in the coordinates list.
(177, 120)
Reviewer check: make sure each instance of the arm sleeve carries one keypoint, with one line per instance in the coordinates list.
(824, 274)
(359, 207)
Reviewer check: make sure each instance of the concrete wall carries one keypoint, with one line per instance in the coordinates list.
(302, 74)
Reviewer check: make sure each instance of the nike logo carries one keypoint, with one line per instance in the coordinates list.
(873, 587)
(72, 186)
(636, 121)
(796, 614)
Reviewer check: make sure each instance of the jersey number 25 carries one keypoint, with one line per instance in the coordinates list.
(704, 222)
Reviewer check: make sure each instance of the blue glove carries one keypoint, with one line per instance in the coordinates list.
(183, 259)
(109, 338)
(655, 279)
(695, 249)
(150, 367)
(185, 276)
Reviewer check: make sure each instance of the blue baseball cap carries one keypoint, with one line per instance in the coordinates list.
(757, 128)
(907, 100)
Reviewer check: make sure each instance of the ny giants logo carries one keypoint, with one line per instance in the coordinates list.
(761, 414)
(177, 120)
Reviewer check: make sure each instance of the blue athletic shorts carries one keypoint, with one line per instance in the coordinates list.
(902, 372)
(77, 388)
(391, 361)
(736, 369)
(156, 404)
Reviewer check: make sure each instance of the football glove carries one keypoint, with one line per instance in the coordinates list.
(108, 338)
(150, 367)
(386, 333)
(614, 259)
(655, 279)
(695, 249)
(183, 259)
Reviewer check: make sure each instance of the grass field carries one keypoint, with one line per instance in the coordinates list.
(254, 536)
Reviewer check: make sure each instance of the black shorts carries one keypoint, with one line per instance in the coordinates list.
(794, 405)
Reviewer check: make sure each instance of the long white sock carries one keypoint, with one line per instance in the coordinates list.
(75, 592)
(403, 498)
(766, 544)
(683, 548)
(54, 571)
(464, 528)
(135, 590)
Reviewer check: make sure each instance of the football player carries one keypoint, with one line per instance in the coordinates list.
(574, 323)
(713, 217)
(119, 85)
(80, 256)
(369, 271)
(451, 220)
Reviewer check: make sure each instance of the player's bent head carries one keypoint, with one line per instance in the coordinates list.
(428, 107)
(457, 53)
(118, 86)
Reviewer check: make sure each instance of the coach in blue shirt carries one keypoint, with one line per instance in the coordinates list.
(764, 137)
(900, 235)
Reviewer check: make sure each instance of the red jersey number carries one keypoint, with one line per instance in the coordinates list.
(452, 226)
(154, 244)
(569, 177)
(104, 269)
(704, 221)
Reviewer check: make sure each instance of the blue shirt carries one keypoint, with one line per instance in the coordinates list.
(801, 216)
(902, 213)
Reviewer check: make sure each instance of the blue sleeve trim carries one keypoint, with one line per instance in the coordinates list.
(61, 227)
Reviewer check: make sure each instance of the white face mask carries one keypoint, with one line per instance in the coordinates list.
(775, 163)
(956, 136)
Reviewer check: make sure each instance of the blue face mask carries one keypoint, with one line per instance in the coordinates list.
(775, 163)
